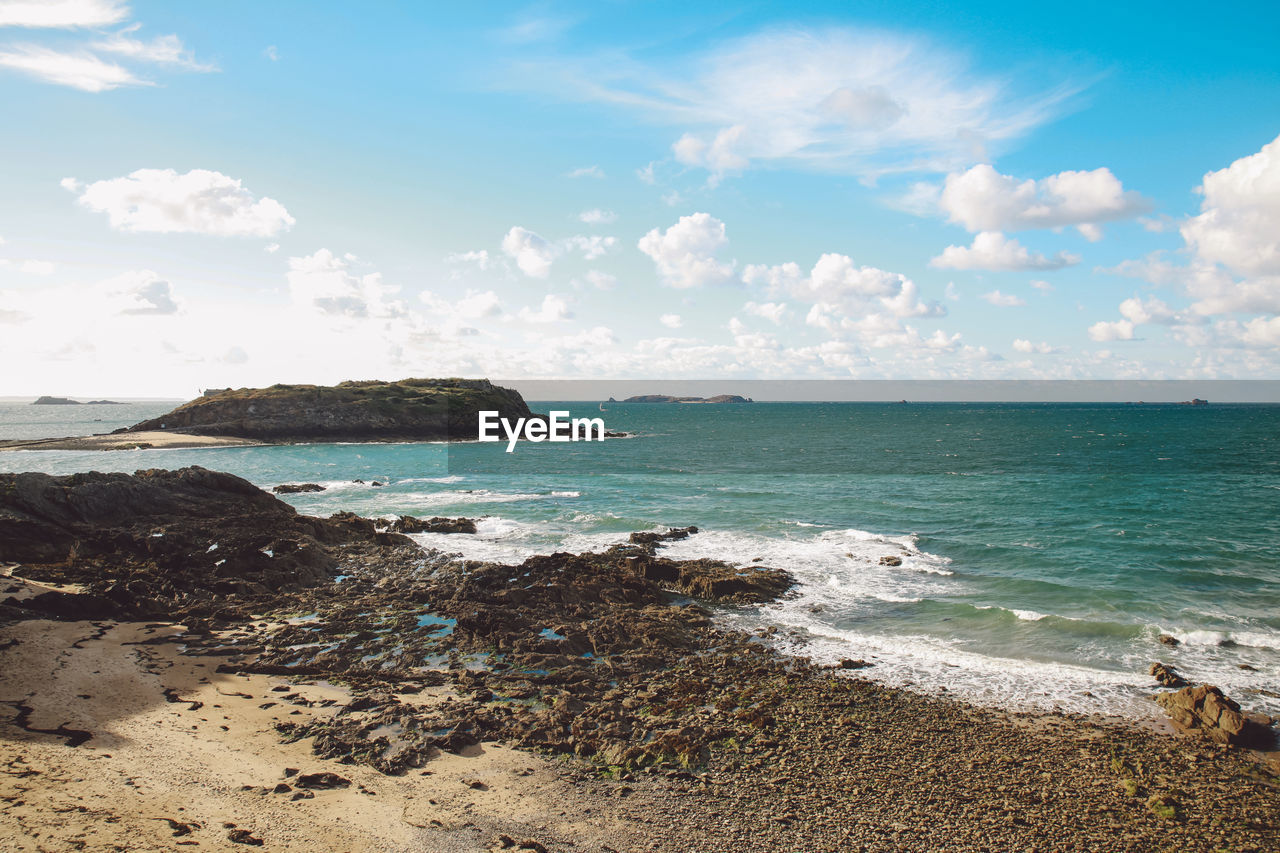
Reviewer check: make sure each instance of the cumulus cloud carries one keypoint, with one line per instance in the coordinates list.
(686, 254)
(982, 199)
(62, 14)
(671, 321)
(1105, 331)
(327, 283)
(991, 250)
(79, 69)
(478, 258)
(146, 294)
(596, 216)
(774, 312)
(1026, 346)
(839, 100)
(553, 310)
(196, 202)
(1004, 300)
(1239, 221)
(534, 254)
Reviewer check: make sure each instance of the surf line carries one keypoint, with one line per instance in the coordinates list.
(557, 426)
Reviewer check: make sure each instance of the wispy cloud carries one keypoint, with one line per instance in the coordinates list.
(62, 14)
(79, 70)
(838, 100)
(163, 50)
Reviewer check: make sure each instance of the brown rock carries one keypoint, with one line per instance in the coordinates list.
(891, 561)
(1167, 676)
(1204, 708)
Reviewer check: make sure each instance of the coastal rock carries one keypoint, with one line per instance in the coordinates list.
(297, 488)
(411, 409)
(1169, 640)
(891, 561)
(1205, 709)
(650, 538)
(437, 524)
(1166, 675)
(163, 542)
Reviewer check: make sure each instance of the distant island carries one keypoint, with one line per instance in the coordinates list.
(371, 410)
(67, 401)
(663, 398)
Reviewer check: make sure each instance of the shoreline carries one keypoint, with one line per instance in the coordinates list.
(580, 701)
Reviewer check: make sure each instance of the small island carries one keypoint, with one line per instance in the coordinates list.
(664, 398)
(356, 411)
(55, 401)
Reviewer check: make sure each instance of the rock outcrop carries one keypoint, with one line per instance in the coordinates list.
(1166, 675)
(438, 524)
(411, 409)
(297, 488)
(1205, 709)
(163, 542)
(55, 401)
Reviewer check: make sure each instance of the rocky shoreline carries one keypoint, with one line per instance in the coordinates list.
(608, 670)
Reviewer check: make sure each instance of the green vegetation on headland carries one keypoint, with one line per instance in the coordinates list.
(370, 410)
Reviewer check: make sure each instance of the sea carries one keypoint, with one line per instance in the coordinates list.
(1042, 549)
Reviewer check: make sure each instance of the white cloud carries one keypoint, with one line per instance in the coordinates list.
(686, 253)
(1004, 300)
(326, 283)
(591, 247)
(143, 293)
(646, 175)
(982, 199)
(951, 293)
(476, 305)
(553, 310)
(1042, 286)
(532, 254)
(586, 172)
(671, 321)
(991, 250)
(1150, 310)
(62, 14)
(80, 70)
(839, 100)
(601, 280)
(1024, 345)
(479, 258)
(1239, 222)
(774, 312)
(163, 50)
(1114, 330)
(197, 202)
(272, 53)
(596, 216)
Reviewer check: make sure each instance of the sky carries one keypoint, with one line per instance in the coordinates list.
(213, 194)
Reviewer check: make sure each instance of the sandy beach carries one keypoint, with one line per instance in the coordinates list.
(145, 440)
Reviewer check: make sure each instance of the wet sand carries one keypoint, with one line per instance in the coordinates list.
(127, 441)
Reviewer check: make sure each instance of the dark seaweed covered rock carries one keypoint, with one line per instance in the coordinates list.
(410, 409)
(161, 542)
(437, 524)
(297, 488)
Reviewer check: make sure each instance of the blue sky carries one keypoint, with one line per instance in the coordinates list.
(209, 194)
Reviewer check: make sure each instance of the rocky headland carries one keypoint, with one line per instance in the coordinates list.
(397, 698)
(408, 410)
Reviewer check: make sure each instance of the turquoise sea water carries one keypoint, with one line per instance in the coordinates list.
(1044, 547)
